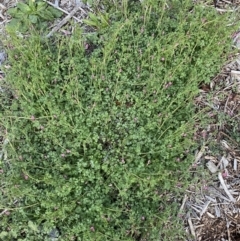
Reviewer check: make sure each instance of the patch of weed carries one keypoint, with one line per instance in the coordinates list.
(29, 14)
(98, 139)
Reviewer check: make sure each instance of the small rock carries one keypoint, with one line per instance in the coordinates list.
(224, 162)
(212, 167)
(2, 57)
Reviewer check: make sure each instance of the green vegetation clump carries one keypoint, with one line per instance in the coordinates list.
(32, 13)
(100, 125)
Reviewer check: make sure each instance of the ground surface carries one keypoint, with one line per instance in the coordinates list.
(213, 207)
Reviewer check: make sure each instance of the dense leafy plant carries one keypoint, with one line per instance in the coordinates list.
(36, 13)
(100, 126)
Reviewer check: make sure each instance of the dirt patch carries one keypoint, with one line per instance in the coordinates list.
(212, 206)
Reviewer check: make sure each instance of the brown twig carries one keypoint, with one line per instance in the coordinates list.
(63, 22)
(62, 10)
(225, 187)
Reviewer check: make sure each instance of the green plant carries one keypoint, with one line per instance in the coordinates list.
(100, 125)
(36, 13)
(98, 21)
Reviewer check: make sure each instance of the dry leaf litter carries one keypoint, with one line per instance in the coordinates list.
(211, 209)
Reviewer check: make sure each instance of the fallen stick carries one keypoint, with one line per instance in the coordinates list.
(205, 208)
(62, 10)
(183, 202)
(191, 227)
(225, 187)
(63, 22)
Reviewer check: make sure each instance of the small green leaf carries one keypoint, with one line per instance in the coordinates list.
(46, 15)
(33, 18)
(93, 17)
(20, 15)
(32, 5)
(90, 23)
(56, 13)
(104, 19)
(41, 6)
(13, 25)
(12, 11)
(3, 234)
(33, 226)
(24, 7)
(24, 27)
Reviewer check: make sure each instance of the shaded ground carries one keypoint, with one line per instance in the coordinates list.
(212, 206)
